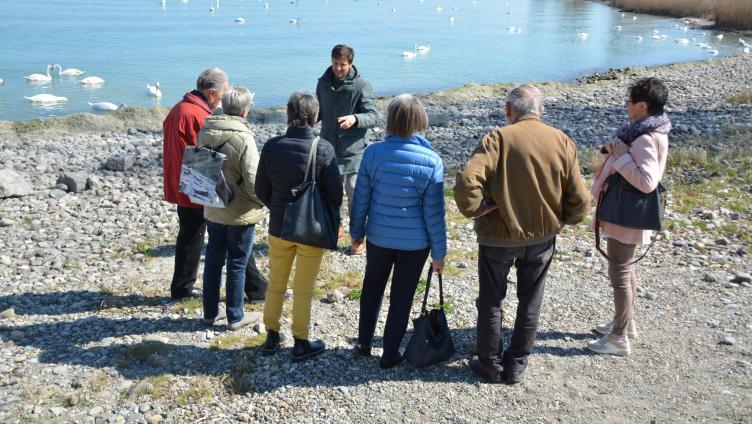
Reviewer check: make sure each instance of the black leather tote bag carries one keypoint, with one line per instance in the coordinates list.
(310, 218)
(431, 341)
(623, 204)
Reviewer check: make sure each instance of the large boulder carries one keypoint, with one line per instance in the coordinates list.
(121, 163)
(12, 184)
(75, 181)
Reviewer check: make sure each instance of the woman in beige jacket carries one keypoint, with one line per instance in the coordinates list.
(231, 228)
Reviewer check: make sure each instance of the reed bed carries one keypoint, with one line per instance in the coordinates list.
(736, 14)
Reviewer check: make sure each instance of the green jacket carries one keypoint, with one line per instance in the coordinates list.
(353, 97)
(233, 134)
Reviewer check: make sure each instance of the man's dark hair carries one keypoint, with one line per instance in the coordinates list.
(302, 110)
(651, 91)
(343, 51)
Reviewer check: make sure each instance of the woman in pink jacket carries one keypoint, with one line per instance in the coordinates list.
(637, 150)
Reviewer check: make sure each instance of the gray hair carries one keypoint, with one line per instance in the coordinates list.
(302, 110)
(211, 79)
(236, 100)
(405, 116)
(525, 99)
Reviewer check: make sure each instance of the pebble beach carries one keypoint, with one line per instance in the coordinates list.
(87, 334)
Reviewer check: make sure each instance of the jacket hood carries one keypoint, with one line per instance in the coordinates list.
(196, 100)
(220, 128)
(329, 77)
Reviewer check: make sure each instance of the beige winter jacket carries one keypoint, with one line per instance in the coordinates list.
(232, 136)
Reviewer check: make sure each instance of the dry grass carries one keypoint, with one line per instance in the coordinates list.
(726, 13)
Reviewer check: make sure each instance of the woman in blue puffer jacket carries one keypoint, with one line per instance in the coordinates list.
(398, 205)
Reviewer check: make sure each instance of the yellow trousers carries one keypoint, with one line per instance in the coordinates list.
(307, 259)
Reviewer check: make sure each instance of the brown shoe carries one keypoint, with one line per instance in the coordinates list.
(340, 233)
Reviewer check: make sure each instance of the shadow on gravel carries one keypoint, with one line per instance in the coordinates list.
(73, 302)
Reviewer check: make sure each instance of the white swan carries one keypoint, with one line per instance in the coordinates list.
(412, 54)
(617, 28)
(106, 106)
(239, 21)
(92, 80)
(46, 98)
(439, 8)
(451, 19)
(40, 77)
(2, 82)
(713, 52)
(719, 36)
(153, 90)
(69, 72)
(746, 51)
(582, 35)
(424, 48)
(682, 41)
(638, 37)
(295, 21)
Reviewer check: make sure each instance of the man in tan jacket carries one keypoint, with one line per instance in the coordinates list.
(521, 185)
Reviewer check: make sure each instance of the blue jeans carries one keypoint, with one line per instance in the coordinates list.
(233, 242)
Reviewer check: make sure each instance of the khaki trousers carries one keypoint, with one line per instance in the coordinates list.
(307, 259)
(624, 282)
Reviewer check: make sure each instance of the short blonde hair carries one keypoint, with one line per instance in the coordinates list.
(405, 116)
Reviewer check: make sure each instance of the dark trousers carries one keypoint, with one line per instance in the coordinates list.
(408, 265)
(187, 250)
(188, 247)
(494, 263)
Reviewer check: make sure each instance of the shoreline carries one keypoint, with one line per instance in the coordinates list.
(150, 119)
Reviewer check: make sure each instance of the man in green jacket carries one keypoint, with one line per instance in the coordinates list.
(522, 185)
(347, 113)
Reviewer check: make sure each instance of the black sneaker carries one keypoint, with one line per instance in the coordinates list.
(274, 341)
(488, 372)
(305, 349)
(389, 363)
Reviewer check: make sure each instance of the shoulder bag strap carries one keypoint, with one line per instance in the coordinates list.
(423, 309)
(312, 160)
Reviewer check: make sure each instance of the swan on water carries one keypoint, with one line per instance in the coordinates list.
(69, 72)
(746, 51)
(410, 55)
(719, 36)
(424, 48)
(46, 98)
(682, 41)
(638, 37)
(713, 52)
(451, 19)
(239, 21)
(582, 35)
(106, 106)
(92, 80)
(266, 5)
(40, 77)
(2, 82)
(439, 8)
(617, 28)
(295, 21)
(153, 90)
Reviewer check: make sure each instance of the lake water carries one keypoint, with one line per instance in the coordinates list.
(130, 43)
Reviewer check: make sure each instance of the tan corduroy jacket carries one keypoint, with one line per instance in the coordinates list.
(530, 171)
(234, 136)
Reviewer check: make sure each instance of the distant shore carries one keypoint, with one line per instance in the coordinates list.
(720, 14)
(445, 106)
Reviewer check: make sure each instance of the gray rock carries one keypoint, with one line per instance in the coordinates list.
(59, 370)
(344, 390)
(93, 183)
(57, 410)
(154, 338)
(727, 340)
(157, 361)
(75, 181)
(96, 411)
(708, 278)
(144, 407)
(334, 296)
(12, 184)
(121, 163)
(8, 313)
(438, 119)
(741, 277)
(16, 335)
(650, 295)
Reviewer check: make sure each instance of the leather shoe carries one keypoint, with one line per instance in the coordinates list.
(304, 349)
(389, 363)
(509, 377)
(274, 340)
(362, 350)
(490, 373)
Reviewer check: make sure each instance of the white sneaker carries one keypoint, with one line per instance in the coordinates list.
(247, 319)
(605, 329)
(220, 316)
(611, 345)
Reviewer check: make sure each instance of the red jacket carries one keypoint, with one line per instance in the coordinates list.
(180, 130)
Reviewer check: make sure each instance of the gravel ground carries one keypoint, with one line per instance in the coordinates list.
(88, 335)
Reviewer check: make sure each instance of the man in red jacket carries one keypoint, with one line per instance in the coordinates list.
(181, 129)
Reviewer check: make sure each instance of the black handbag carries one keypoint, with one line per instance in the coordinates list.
(310, 218)
(623, 204)
(431, 341)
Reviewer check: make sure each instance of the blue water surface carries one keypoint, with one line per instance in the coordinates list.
(130, 43)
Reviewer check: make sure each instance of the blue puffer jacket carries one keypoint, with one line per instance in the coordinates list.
(399, 196)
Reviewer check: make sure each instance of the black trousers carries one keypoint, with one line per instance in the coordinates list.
(494, 263)
(188, 248)
(408, 265)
